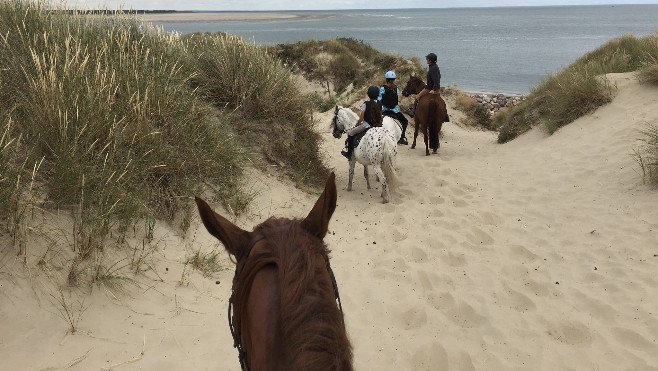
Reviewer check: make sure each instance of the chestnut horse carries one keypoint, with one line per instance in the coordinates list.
(429, 116)
(286, 309)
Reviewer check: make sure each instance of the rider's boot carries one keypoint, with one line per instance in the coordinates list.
(350, 144)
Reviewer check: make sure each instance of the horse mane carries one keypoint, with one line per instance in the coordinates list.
(347, 117)
(311, 322)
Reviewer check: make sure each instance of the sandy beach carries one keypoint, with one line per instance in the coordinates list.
(539, 254)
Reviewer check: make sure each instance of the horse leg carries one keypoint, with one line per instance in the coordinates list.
(426, 139)
(352, 163)
(365, 174)
(380, 174)
(413, 145)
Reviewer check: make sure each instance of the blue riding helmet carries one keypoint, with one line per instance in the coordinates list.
(389, 75)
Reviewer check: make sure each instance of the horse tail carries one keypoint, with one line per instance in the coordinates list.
(388, 163)
(433, 124)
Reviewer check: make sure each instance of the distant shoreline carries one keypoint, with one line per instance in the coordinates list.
(181, 17)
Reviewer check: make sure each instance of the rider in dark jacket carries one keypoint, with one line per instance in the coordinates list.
(433, 80)
(388, 98)
(433, 77)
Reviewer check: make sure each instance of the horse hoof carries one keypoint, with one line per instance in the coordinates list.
(427, 153)
(413, 146)
(434, 152)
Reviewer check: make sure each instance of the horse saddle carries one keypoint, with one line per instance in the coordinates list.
(357, 138)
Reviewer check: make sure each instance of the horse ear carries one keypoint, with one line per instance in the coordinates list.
(317, 221)
(232, 236)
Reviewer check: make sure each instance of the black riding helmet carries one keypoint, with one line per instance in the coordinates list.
(373, 92)
(432, 57)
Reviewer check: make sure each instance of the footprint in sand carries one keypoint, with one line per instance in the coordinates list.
(572, 333)
(413, 318)
(441, 300)
(437, 200)
(478, 236)
(522, 254)
(488, 218)
(454, 260)
(418, 255)
(519, 301)
(432, 356)
(633, 340)
(465, 316)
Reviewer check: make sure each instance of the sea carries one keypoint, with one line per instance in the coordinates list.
(507, 50)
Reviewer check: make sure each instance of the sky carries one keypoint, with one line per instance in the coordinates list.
(262, 5)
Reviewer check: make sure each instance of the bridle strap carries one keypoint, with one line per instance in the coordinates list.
(335, 285)
(237, 342)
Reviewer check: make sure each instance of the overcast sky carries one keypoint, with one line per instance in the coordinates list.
(325, 4)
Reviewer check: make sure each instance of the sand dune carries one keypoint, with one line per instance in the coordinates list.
(539, 254)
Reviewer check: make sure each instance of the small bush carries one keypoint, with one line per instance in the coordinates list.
(476, 114)
(647, 155)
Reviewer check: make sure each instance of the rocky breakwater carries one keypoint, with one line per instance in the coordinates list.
(494, 102)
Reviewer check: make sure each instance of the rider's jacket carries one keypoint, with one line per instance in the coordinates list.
(389, 99)
(433, 77)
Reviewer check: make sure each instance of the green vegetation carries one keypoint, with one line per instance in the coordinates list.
(275, 118)
(476, 114)
(117, 122)
(580, 88)
(647, 155)
(343, 61)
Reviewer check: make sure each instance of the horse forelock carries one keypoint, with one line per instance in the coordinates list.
(312, 327)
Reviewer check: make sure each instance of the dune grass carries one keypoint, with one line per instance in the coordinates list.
(647, 154)
(344, 61)
(116, 122)
(580, 88)
(275, 117)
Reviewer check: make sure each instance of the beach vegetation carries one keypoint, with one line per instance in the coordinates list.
(476, 114)
(115, 122)
(647, 154)
(580, 88)
(343, 62)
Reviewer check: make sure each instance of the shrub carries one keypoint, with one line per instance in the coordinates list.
(476, 114)
(647, 155)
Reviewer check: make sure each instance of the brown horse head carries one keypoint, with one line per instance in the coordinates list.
(285, 315)
(414, 86)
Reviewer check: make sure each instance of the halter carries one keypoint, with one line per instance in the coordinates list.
(235, 332)
(334, 122)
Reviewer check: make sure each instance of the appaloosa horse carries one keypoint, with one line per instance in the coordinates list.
(286, 312)
(429, 116)
(378, 147)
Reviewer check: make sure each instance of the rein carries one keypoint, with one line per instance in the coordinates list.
(235, 332)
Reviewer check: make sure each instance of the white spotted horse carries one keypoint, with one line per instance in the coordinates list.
(378, 147)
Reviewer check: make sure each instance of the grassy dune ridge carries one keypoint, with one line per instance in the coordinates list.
(579, 89)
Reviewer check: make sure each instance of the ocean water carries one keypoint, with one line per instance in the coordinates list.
(507, 49)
